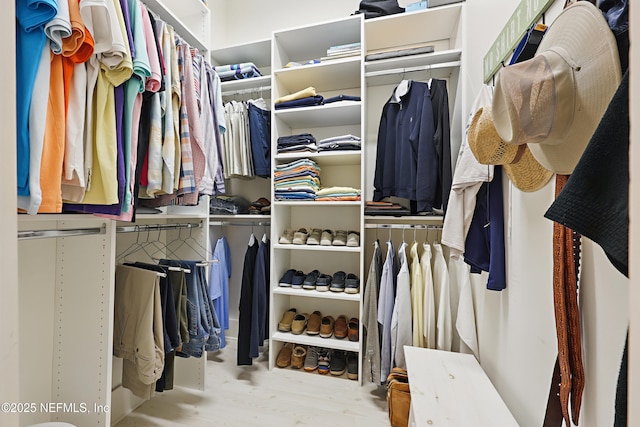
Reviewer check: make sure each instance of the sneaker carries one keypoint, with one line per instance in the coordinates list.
(314, 237)
(284, 355)
(338, 362)
(324, 361)
(327, 238)
(310, 280)
(326, 327)
(299, 323)
(313, 324)
(300, 237)
(323, 283)
(287, 320)
(352, 365)
(297, 279)
(311, 360)
(287, 278)
(339, 238)
(352, 284)
(353, 329)
(337, 282)
(298, 356)
(353, 239)
(287, 237)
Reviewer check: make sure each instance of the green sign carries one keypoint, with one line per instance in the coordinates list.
(527, 12)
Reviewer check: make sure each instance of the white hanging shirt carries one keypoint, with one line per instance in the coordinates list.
(444, 331)
(386, 300)
(429, 306)
(417, 298)
(401, 334)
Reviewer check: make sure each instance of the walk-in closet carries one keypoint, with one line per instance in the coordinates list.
(249, 213)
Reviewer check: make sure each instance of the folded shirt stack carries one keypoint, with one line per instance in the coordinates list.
(308, 97)
(297, 143)
(228, 205)
(336, 194)
(244, 70)
(385, 208)
(297, 180)
(339, 143)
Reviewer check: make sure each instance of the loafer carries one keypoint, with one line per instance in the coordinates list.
(326, 238)
(338, 281)
(287, 237)
(352, 284)
(323, 282)
(287, 279)
(310, 280)
(352, 365)
(353, 329)
(314, 237)
(287, 320)
(340, 327)
(353, 239)
(326, 328)
(299, 323)
(300, 237)
(297, 357)
(297, 279)
(284, 355)
(313, 324)
(339, 238)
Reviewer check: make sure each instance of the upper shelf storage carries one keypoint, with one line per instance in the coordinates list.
(189, 18)
(311, 42)
(334, 75)
(258, 52)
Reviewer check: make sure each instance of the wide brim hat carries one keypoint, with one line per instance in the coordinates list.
(489, 149)
(554, 101)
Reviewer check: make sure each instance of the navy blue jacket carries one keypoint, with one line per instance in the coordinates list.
(406, 159)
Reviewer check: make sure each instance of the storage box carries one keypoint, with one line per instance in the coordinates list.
(436, 3)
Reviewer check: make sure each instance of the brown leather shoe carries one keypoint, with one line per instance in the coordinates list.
(326, 329)
(354, 329)
(340, 327)
(313, 324)
(284, 356)
(297, 358)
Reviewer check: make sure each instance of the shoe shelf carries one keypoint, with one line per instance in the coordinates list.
(315, 372)
(319, 248)
(282, 290)
(334, 114)
(304, 339)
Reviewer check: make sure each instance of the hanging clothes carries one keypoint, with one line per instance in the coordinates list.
(444, 332)
(386, 301)
(429, 306)
(417, 298)
(441, 139)
(219, 275)
(401, 334)
(246, 304)
(370, 330)
(260, 299)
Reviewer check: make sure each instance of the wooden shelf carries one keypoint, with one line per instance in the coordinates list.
(334, 114)
(281, 290)
(304, 339)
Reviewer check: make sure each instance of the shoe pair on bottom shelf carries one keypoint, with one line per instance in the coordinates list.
(338, 282)
(291, 355)
(335, 362)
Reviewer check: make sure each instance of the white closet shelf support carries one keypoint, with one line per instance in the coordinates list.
(42, 234)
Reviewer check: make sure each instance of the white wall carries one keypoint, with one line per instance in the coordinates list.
(9, 385)
(516, 327)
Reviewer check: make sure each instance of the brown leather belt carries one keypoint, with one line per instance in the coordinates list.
(567, 383)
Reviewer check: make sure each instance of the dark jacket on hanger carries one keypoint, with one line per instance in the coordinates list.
(260, 305)
(246, 304)
(442, 139)
(406, 159)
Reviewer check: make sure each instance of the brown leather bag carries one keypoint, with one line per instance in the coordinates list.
(398, 397)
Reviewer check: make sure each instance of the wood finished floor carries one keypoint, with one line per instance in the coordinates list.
(252, 396)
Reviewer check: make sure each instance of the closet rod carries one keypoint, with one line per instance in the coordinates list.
(245, 91)
(156, 227)
(41, 234)
(251, 223)
(427, 67)
(405, 226)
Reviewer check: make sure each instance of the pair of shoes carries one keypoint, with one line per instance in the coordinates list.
(292, 279)
(299, 323)
(314, 237)
(284, 355)
(337, 282)
(300, 236)
(260, 206)
(287, 320)
(324, 361)
(327, 238)
(298, 356)
(352, 284)
(338, 362)
(353, 329)
(353, 239)
(340, 328)
(326, 326)
(346, 238)
(287, 237)
(352, 365)
(310, 279)
(311, 359)
(323, 282)
(314, 323)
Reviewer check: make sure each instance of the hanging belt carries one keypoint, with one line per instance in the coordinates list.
(567, 383)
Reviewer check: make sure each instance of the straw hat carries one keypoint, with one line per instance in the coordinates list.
(554, 101)
(518, 162)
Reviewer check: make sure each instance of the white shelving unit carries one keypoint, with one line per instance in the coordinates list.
(340, 76)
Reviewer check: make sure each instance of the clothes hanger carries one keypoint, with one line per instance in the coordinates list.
(135, 247)
(194, 245)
